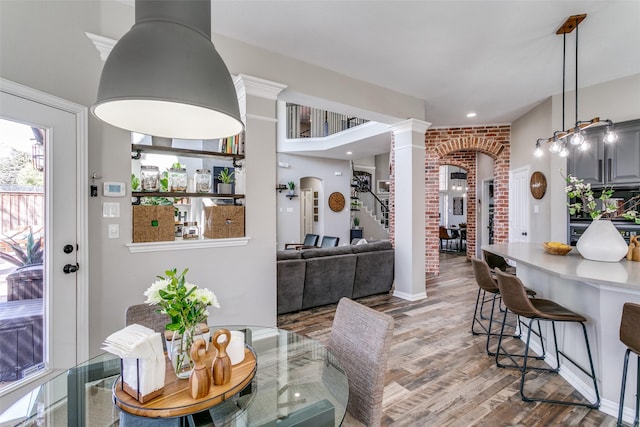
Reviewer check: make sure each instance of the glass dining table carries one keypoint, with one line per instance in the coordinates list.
(298, 382)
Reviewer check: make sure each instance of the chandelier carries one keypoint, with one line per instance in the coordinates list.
(458, 178)
(575, 136)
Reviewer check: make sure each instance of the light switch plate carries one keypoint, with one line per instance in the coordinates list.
(111, 210)
(114, 231)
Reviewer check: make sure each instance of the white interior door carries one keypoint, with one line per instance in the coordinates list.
(307, 211)
(519, 205)
(63, 302)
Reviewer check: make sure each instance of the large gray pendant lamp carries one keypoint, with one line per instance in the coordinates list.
(165, 78)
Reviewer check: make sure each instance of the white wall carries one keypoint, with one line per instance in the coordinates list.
(288, 211)
(617, 100)
(524, 133)
(321, 88)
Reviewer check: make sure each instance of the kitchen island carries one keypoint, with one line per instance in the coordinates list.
(597, 290)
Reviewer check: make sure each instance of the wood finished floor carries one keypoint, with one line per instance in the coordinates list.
(438, 373)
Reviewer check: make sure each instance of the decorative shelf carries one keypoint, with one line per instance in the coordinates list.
(291, 196)
(138, 149)
(139, 194)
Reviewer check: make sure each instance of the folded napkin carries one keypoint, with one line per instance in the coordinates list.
(142, 357)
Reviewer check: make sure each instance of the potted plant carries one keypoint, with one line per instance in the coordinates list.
(601, 241)
(226, 179)
(356, 223)
(26, 281)
(291, 186)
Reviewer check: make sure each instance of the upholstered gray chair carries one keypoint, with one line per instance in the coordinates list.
(147, 315)
(360, 339)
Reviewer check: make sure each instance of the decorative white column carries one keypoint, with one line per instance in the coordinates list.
(409, 225)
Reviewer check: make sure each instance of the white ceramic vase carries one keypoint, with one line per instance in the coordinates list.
(601, 241)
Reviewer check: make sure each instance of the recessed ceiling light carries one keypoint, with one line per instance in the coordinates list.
(471, 115)
(349, 153)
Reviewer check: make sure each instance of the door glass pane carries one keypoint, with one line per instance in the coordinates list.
(21, 251)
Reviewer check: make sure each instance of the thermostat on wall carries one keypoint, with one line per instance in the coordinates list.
(113, 189)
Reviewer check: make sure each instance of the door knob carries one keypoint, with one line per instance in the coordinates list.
(70, 268)
(68, 249)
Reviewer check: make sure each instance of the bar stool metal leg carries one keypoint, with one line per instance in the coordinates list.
(591, 374)
(623, 388)
(515, 298)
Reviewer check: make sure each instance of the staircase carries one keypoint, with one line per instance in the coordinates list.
(372, 211)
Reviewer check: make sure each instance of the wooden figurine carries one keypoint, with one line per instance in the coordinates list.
(199, 380)
(221, 368)
(634, 249)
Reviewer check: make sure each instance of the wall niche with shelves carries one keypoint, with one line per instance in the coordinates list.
(219, 215)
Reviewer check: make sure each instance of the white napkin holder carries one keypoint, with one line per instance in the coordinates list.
(134, 372)
(142, 362)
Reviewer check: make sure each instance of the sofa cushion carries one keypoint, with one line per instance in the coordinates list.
(327, 279)
(320, 252)
(374, 273)
(290, 285)
(280, 255)
(375, 246)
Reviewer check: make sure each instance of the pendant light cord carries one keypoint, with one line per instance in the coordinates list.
(577, 30)
(564, 61)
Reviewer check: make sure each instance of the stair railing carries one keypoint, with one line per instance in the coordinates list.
(378, 203)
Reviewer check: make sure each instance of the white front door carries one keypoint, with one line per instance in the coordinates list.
(60, 128)
(519, 205)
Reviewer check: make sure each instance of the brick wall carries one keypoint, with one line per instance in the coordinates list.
(459, 147)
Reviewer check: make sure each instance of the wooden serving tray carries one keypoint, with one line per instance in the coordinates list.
(175, 401)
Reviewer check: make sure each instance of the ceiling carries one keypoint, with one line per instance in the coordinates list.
(498, 59)
(495, 58)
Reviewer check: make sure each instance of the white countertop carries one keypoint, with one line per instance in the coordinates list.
(624, 274)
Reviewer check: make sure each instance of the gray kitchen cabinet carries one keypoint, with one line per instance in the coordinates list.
(608, 164)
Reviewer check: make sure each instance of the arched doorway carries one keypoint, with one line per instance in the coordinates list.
(459, 147)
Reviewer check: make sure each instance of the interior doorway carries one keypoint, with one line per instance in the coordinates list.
(306, 210)
(311, 210)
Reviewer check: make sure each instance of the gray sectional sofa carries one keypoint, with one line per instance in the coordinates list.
(314, 277)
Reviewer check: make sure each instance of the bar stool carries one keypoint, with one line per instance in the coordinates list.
(497, 262)
(515, 299)
(630, 336)
(487, 284)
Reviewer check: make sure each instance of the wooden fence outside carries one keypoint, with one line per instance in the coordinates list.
(19, 209)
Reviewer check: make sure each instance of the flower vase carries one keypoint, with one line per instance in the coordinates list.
(601, 241)
(181, 351)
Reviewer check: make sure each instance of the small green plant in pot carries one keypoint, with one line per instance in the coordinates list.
(291, 186)
(226, 180)
(356, 222)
